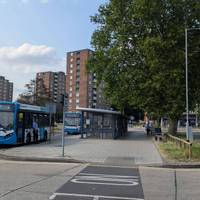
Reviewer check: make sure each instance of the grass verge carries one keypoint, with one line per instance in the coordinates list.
(171, 151)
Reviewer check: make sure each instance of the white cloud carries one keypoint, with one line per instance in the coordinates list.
(20, 64)
(26, 54)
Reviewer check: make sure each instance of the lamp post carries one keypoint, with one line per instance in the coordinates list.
(186, 79)
(186, 82)
(63, 101)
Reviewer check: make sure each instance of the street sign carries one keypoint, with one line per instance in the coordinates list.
(190, 134)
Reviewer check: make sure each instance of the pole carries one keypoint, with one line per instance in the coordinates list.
(186, 81)
(50, 127)
(63, 131)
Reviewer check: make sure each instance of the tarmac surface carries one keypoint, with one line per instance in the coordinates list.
(115, 169)
(95, 182)
(21, 180)
(135, 149)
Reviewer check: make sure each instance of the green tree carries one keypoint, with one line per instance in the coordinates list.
(139, 53)
(29, 96)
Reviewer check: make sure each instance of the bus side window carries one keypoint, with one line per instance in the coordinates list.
(35, 118)
(43, 120)
(40, 121)
(20, 127)
(20, 120)
(46, 120)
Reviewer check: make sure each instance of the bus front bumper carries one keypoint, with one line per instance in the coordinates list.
(72, 131)
(9, 139)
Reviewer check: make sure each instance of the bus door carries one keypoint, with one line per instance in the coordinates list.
(20, 127)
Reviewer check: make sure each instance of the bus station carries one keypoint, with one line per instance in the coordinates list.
(100, 123)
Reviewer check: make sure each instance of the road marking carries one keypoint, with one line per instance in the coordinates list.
(108, 175)
(52, 197)
(101, 183)
(95, 197)
(104, 179)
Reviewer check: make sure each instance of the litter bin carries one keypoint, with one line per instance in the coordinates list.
(158, 134)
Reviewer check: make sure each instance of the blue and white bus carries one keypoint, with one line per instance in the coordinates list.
(22, 123)
(72, 122)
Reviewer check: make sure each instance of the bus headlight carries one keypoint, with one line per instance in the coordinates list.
(8, 135)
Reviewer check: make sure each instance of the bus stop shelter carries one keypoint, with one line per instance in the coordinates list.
(103, 124)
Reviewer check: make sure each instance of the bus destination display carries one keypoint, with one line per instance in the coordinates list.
(6, 107)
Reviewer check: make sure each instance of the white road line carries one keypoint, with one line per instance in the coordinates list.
(108, 175)
(100, 179)
(92, 178)
(92, 196)
(52, 197)
(127, 184)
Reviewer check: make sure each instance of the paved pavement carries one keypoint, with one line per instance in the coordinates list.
(32, 180)
(135, 149)
(36, 180)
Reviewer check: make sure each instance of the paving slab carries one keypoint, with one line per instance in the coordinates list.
(187, 184)
(135, 149)
(158, 184)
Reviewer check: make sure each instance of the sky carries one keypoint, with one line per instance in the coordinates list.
(36, 34)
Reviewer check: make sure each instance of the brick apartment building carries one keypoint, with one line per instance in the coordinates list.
(6, 89)
(81, 86)
(51, 86)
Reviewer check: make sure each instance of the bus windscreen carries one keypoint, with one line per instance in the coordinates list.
(6, 121)
(72, 121)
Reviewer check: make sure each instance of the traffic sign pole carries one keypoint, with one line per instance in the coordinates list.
(63, 131)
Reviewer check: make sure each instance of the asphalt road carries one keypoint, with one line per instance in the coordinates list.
(99, 182)
(32, 180)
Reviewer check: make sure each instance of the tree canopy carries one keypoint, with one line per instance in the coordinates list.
(29, 95)
(140, 54)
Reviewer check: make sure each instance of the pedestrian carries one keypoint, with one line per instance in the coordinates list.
(148, 127)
